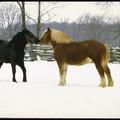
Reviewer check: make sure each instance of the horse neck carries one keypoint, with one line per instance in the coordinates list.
(56, 46)
(18, 42)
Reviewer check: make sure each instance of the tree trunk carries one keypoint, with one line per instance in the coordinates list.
(22, 7)
(23, 16)
(38, 25)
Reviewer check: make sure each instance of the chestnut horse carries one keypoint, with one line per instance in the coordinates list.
(68, 52)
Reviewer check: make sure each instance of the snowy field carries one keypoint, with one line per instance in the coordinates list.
(41, 97)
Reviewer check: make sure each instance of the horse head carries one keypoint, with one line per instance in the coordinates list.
(30, 36)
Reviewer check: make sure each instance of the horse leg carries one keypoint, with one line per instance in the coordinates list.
(102, 75)
(65, 72)
(1, 64)
(13, 71)
(62, 72)
(107, 71)
(24, 71)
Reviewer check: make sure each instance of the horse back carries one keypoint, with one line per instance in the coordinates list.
(81, 52)
(97, 51)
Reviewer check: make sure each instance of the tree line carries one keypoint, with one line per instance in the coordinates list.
(13, 19)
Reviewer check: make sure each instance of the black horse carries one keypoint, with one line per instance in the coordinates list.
(13, 51)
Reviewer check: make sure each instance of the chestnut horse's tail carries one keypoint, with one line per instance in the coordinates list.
(106, 56)
(105, 60)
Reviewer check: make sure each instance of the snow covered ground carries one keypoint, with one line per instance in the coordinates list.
(41, 97)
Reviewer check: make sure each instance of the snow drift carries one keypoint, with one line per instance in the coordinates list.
(41, 97)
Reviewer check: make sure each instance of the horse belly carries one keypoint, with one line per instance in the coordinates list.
(79, 61)
(4, 59)
(85, 61)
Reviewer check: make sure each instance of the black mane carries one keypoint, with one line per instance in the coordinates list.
(17, 37)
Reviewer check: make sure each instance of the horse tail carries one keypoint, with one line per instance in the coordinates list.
(106, 56)
(107, 52)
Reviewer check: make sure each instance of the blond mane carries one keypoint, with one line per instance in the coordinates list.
(59, 36)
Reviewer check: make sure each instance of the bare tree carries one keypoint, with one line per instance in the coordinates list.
(22, 7)
(44, 13)
(95, 27)
(91, 26)
(106, 6)
(10, 20)
(38, 24)
(64, 23)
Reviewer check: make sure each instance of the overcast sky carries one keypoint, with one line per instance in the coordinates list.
(69, 10)
(73, 10)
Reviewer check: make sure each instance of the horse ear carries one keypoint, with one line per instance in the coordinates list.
(48, 29)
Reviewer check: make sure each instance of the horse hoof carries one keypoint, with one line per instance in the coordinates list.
(61, 84)
(24, 81)
(110, 84)
(103, 86)
(15, 81)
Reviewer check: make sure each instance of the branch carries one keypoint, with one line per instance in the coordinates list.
(53, 7)
(47, 11)
(31, 18)
(19, 5)
(50, 18)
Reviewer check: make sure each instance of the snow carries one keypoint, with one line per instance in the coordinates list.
(41, 97)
